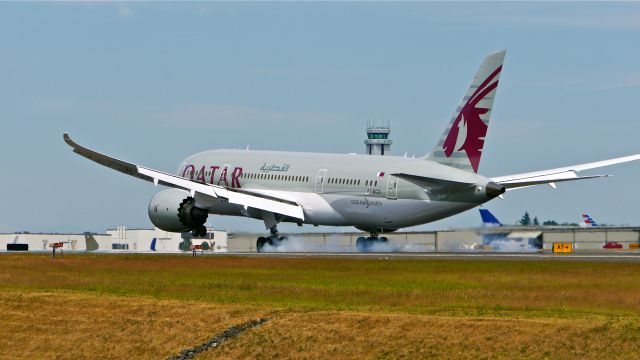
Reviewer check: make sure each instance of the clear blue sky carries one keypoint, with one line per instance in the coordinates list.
(155, 82)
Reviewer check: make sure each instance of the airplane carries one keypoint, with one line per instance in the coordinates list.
(512, 240)
(588, 221)
(375, 194)
(91, 242)
(488, 219)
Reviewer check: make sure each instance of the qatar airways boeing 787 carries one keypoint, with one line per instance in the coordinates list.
(375, 194)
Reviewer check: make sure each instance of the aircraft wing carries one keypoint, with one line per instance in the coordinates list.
(552, 176)
(269, 203)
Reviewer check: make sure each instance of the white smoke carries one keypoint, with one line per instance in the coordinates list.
(333, 244)
(379, 246)
(511, 245)
(293, 244)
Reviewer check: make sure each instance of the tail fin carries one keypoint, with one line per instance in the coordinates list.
(153, 244)
(92, 244)
(588, 221)
(462, 142)
(488, 219)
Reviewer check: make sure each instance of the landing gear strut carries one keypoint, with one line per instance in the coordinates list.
(273, 241)
(371, 243)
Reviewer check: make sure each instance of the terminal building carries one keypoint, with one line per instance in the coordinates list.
(116, 240)
(499, 239)
(513, 239)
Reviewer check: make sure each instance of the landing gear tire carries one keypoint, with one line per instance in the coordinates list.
(260, 243)
(200, 231)
(274, 240)
(271, 241)
(362, 244)
(366, 244)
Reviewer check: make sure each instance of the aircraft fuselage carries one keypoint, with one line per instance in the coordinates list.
(337, 189)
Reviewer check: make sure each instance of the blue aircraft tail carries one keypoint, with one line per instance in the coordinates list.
(488, 219)
(153, 244)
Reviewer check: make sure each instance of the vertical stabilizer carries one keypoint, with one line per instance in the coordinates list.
(488, 219)
(462, 142)
(92, 244)
(588, 221)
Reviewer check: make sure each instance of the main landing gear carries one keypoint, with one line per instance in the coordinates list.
(200, 231)
(372, 243)
(273, 241)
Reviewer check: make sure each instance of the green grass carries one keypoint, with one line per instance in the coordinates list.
(451, 287)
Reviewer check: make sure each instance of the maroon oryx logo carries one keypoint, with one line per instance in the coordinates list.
(468, 130)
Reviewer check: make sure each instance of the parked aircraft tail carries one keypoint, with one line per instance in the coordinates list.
(587, 220)
(92, 244)
(462, 142)
(153, 244)
(488, 219)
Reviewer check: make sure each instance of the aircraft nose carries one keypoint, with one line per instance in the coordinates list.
(494, 189)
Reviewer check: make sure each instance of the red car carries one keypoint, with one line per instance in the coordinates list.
(612, 245)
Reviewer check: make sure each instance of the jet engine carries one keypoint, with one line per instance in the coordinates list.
(175, 210)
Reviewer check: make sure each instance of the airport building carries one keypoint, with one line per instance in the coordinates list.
(497, 239)
(119, 239)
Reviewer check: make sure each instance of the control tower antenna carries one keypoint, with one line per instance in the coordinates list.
(377, 141)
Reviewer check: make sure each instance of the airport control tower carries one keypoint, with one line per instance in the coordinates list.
(377, 141)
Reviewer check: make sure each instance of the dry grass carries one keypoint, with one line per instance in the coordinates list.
(87, 326)
(345, 335)
(88, 306)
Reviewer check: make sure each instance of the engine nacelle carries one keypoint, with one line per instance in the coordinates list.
(174, 210)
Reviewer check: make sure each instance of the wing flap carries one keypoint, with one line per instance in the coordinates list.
(235, 196)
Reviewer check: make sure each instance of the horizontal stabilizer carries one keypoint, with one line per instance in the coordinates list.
(552, 176)
(545, 180)
(433, 184)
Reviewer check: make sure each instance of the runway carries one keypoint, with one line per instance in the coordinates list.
(602, 256)
(627, 256)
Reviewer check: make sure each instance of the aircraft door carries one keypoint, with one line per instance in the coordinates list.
(320, 179)
(392, 187)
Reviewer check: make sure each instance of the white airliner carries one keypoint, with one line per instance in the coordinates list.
(375, 194)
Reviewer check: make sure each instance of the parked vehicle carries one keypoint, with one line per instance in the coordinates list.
(612, 245)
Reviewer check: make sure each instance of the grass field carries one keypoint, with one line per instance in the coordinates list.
(141, 306)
